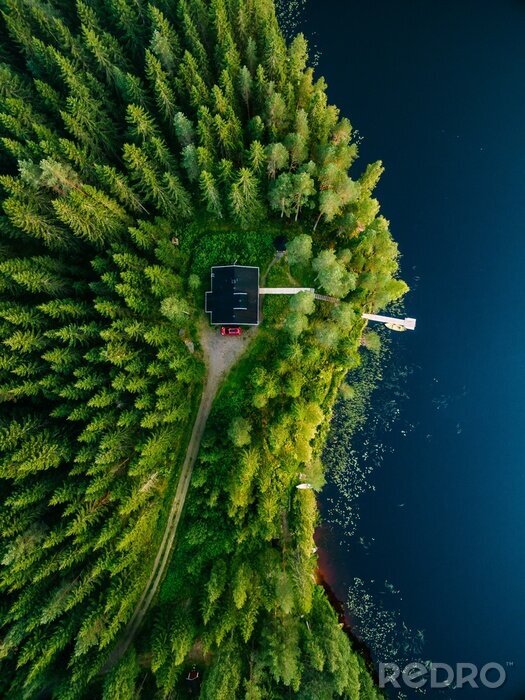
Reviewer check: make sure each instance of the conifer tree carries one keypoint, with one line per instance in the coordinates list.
(244, 198)
(210, 194)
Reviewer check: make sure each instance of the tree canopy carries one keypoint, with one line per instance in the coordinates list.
(141, 141)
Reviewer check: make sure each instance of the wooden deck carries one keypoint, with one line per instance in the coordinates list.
(408, 323)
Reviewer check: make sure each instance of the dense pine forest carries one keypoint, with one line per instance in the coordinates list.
(141, 143)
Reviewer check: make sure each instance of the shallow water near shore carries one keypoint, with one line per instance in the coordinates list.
(430, 555)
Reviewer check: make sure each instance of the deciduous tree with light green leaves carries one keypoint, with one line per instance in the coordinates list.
(332, 274)
(299, 249)
(239, 432)
(303, 303)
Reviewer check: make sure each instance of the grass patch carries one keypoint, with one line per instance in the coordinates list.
(204, 244)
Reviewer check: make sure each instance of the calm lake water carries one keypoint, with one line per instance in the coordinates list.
(436, 89)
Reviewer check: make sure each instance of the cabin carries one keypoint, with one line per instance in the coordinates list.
(234, 296)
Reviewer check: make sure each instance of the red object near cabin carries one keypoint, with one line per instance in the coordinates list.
(231, 330)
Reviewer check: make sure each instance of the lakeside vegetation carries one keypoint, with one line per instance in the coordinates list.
(141, 143)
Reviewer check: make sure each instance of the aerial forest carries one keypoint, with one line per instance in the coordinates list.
(142, 142)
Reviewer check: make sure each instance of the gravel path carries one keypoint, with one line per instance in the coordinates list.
(220, 353)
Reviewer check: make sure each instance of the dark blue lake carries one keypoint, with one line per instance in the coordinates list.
(436, 89)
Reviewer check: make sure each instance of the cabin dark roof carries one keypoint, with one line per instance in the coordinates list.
(234, 296)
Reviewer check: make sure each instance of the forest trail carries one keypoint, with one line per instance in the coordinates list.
(220, 353)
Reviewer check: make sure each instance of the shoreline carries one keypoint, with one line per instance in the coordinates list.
(324, 579)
